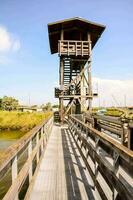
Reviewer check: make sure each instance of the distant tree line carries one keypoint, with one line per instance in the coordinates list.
(48, 106)
(10, 103)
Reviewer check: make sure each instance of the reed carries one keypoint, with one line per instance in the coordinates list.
(23, 121)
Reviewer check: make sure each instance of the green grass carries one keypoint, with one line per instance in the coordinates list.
(113, 112)
(10, 135)
(116, 112)
(23, 121)
(110, 112)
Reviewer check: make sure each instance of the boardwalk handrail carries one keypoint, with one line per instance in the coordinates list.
(30, 148)
(107, 160)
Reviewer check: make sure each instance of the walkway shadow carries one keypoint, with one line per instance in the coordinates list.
(73, 190)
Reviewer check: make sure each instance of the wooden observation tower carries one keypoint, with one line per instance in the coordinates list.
(73, 39)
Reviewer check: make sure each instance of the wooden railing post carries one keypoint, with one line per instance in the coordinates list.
(46, 131)
(114, 194)
(44, 138)
(37, 141)
(29, 156)
(14, 173)
(42, 145)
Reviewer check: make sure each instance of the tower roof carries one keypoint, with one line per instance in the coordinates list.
(73, 25)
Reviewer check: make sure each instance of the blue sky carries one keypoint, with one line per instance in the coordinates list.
(26, 66)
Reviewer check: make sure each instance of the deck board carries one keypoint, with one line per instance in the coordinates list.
(62, 174)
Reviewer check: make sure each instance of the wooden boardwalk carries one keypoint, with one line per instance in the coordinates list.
(62, 174)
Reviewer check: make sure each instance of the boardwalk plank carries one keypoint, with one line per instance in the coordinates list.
(62, 174)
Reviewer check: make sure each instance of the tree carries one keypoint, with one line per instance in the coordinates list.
(55, 106)
(34, 106)
(0, 103)
(9, 103)
(47, 107)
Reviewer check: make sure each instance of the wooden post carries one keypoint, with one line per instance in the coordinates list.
(45, 135)
(62, 35)
(61, 86)
(89, 89)
(59, 47)
(14, 169)
(76, 47)
(81, 47)
(89, 76)
(114, 194)
(61, 73)
(42, 140)
(130, 138)
(61, 79)
(61, 41)
(125, 134)
(83, 92)
(37, 141)
(87, 136)
(29, 156)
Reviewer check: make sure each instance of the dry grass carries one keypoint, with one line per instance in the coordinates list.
(21, 120)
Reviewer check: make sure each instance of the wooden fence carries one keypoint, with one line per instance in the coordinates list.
(109, 163)
(19, 162)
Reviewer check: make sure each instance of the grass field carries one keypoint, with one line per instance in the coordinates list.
(113, 112)
(123, 113)
(23, 121)
(109, 111)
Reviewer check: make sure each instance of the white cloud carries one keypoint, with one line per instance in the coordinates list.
(4, 60)
(16, 46)
(114, 92)
(7, 41)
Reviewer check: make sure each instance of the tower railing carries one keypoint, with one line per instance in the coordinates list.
(74, 48)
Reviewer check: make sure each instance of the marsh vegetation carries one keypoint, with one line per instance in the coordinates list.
(14, 124)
